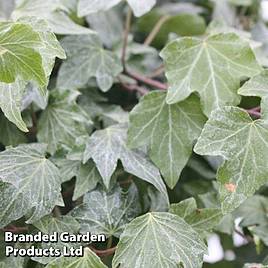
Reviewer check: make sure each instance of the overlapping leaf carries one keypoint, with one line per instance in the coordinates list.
(139, 7)
(107, 212)
(243, 143)
(212, 67)
(53, 11)
(89, 260)
(155, 123)
(107, 146)
(257, 86)
(86, 59)
(62, 121)
(26, 168)
(157, 240)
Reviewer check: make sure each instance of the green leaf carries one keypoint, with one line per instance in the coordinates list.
(26, 168)
(157, 240)
(241, 2)
(10, 135)
(243, 143)
(255, 265)
(19, 45)
(53, 11)
(212, 67)
(159, 125)
(107, 146)
(10, 102)
(257, 86)
(62, 121)
(201, 220)
(139, 7)
(86, 58)
(107, 212)
(89, 260)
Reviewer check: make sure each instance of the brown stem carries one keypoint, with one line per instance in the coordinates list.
(125, 41)
(150, 38)
(157, 72)
(15, 229)
(147, 80)
(255, 112)
(105, 252)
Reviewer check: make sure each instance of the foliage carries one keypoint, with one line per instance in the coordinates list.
(142, 120)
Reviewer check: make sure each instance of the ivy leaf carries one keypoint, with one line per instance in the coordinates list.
(26, 168)
(19, 54)
(139, 7)
(10, 135)
(212, 67)
(107, 212)
(159, 239)
(86, 59)
(241, 2)
(54, 12)
(89, 260)
(201, 220)
(243, 143)
(155, 123)
(10, 102)
(107, 146)
(257, 86)
(62, 121)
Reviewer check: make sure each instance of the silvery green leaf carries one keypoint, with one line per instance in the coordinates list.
(139, 7)
(53, 11)
(257, 86)
(212, 67)
(62, 121)
(6, 8)
(10, 102)
(86, 58)
(26, 168)
(11, 261)
(243, 143)
(169, 130)
(159, 239)
(108, 146)
(241, 2)
(10, 135)
(107, 212)
(89, 260)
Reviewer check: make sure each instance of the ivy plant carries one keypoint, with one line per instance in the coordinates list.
(144, 121)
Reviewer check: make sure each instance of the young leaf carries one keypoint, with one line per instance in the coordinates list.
(53, 11)
(89, 260)
(158, 124)
(212, 67)
(26, 168)
(107, 212)
(10, 102)
(243, 143)
(201, 220)
(107, 146)
(86, 58)
(19, 54)
(139, 7)
(257, 86)
(157, 240)
(62, 121)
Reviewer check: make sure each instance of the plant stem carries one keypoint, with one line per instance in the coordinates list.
(125, 40)
(56, 211)
(104, 253)
(255, 112)
(110, 242)
(147, 80)
(150, 38)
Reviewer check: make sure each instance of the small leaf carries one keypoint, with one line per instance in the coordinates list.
(26, 168)
(89, 260)
(257, 86)
(86, 58)
(107, 146)
(157, 240)
(169, 130)
(107, 212)
(243, 143)
(62, 121)
(212, 67)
